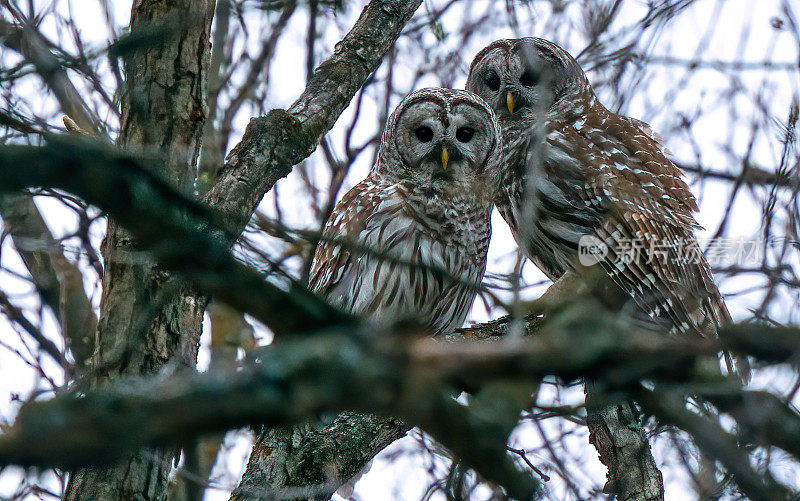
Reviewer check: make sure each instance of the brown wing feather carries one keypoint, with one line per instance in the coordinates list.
(346, 222)
(648, 201)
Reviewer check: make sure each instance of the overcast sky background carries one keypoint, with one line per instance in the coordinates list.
(722, 127)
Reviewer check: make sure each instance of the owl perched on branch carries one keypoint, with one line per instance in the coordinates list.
(576, 175)
(411, 239)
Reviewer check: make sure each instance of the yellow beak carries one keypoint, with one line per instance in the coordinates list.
(445, 158)
(510, 102)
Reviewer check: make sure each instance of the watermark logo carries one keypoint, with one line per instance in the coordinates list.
(591, 250)
(720, 252)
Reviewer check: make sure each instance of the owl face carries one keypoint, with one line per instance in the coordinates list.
(444, 142)
(523, 75)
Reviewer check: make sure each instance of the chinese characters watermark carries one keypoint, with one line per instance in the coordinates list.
(719, 252)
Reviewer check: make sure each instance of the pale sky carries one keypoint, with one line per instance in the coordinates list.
(406, 477)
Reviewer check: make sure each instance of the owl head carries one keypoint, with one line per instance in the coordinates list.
(527, 75)
(442, 143)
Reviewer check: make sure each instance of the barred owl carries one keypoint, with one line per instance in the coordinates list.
(574, 172)
(411, 239)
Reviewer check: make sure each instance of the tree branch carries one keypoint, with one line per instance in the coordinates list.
(313, 460)
(149, 208)
(148, 319)
(763, 418)
(181, 233)
(284, 384)
(362, 370)
(274, 143)
(715, 441)
(31, 44)
(616, 433)
(59, 282)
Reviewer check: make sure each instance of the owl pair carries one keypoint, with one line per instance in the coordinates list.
(532, 138)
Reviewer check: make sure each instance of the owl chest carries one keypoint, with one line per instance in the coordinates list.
(543, 198)
(452, 237)
(459, 226)
(427, 267)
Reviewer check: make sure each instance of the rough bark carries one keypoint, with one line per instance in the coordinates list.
(622, 444)
(616, 433)
(300, 111)
(164, 109)
(312, 461)
(309, 375)
(271, 145)
(229, 332)
(282, 462)
(184, 233)
(275, 468)
(613, 423)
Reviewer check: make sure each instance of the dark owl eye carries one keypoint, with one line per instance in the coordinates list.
(464, 134)
(424, 134)
(529, 78)
(492, 80)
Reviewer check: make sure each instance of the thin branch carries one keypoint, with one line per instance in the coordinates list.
(17, 316)
(274, 143)
(363, 369)
(59, 282)
(713, 440)
(121, 185)
(31, 44)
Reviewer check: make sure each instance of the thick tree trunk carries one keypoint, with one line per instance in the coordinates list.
(312, 461)
(271, 145)
(147, 320)
(621, 441)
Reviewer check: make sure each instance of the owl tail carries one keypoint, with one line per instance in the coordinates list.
(707, 317)
(737, 363)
